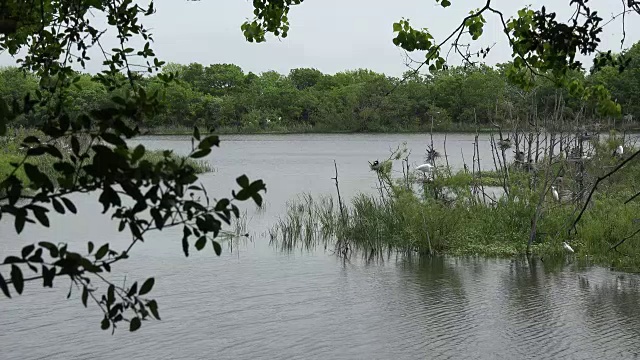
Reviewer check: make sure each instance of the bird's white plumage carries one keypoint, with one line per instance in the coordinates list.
(425, 168)
(567, 247)
(619, 150)
(555, 194)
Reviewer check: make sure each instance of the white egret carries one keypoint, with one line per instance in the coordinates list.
(425, 168)
(567, 247)
(555, 194)
(618, 151)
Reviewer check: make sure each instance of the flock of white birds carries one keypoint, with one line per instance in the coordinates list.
(427, 169)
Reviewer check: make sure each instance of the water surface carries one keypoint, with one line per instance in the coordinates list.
(259, 303)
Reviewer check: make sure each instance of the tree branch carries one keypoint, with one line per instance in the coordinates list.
(595, 186)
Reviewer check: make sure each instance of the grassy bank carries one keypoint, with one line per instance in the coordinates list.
(449, 215)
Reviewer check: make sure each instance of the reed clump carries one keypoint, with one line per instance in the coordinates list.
(503, 211)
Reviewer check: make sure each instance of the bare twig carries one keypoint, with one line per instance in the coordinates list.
(595, 186)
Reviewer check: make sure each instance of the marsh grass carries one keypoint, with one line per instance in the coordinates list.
(417, 222)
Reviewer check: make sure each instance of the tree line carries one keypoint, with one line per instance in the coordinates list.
(223, 96)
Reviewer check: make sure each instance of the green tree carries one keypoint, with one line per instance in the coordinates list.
(52, 36)
(305, 78)
(89, 151)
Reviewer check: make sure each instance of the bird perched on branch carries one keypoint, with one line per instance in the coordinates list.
(375, 165)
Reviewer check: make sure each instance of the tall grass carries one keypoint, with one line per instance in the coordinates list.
(409, 221)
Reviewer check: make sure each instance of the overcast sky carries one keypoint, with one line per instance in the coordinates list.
(333, 35)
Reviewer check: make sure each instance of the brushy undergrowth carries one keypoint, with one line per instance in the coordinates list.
(12, 152)
(445, 217)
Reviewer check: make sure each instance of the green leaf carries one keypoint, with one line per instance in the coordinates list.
(104, 324)
(102, 251)
(85, 295)
(134, 324)
(185, 240)
(17, 279)
(47, 276)
(397, 27)
(153, 307)
(12, 260)
(26, 251)
(4, 287)
(243, 181)
(147, 286)
(157, 218)
(33, 173)
(209, 142)
(196, 133)
(57, 206)
(185, 246)
(222, 204)
(90, 247)
(111, 294)
(217, 247)
(113, 139)
(53, 151)
(53, 249)
(75, 145)
(41, 214)
(138, 153)
(31, 140)
(201, 242)
(200, 153)
(69, 205)
(133, 289)
(20, 220)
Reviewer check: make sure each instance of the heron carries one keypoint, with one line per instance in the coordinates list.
(618, 151)
(567, 247)
(425, 168)
(555, 194)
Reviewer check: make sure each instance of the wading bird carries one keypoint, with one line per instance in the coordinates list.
(425, 168)
(567, 247)
(555, 194)
(618, 151)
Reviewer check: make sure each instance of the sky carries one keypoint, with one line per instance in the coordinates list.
(335, 35)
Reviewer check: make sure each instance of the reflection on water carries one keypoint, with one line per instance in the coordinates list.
(259, 303)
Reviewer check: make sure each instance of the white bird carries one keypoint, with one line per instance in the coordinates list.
(555, 194)
(567, 247)
(425, 168)
(618, 151)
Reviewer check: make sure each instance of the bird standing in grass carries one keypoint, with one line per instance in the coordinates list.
(619, 151)
(568, 248)
(555, 194)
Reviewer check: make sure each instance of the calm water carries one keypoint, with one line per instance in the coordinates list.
(258, 303)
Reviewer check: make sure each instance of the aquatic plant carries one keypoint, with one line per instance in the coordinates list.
(445, 215)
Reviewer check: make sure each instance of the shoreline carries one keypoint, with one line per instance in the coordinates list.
(187, 132)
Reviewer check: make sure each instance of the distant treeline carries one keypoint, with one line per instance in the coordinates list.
(225, 97)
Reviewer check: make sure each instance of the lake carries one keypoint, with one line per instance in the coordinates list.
(256, 302)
